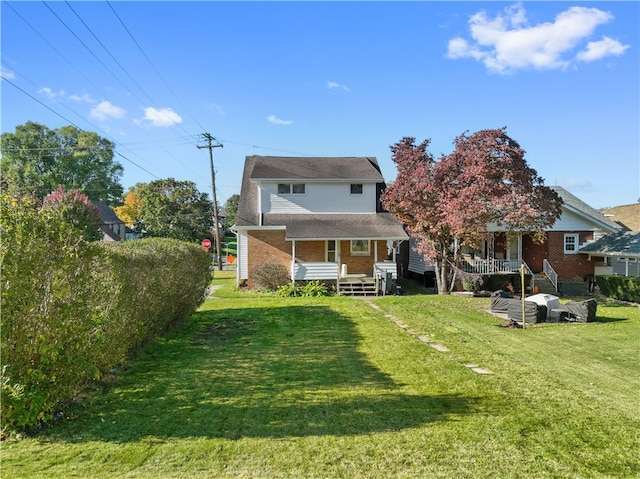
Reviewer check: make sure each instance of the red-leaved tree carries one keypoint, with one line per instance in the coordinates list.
(77, 210)
(450, 203)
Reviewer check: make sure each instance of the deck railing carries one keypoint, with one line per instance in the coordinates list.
(489, 266)
(314, 271)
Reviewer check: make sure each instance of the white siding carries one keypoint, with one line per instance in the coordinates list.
(243, 257)
(570, 221)
(620, 267)
(319, 198)
(417, 263)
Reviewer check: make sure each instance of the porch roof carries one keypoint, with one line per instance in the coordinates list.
(625, 244)
(380, 226)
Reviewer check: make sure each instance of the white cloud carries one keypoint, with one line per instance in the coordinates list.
(50, 93)
(7, 74)
(277, 121)
(84, 98)
(105, 110)
(332, 85)
(162, 117)
(507, 42)
(604, 48)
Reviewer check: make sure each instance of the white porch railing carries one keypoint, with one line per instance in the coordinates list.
(550, 273)
(489, 266)
(314, 271)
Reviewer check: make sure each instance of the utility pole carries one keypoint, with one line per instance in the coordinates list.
(216, 230)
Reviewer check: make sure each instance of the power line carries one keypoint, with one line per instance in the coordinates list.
(71, 122)
(152, 65)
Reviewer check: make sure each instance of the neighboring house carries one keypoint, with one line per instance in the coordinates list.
(616, 254)
(320, 217)
(625, 215)
(559, 257)
(112, 227)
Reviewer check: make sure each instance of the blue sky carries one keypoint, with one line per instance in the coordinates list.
(333, 79)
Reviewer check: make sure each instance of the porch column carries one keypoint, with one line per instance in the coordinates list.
(293, 261)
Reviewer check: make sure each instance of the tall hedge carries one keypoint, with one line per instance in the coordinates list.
(624, 288)
(71, 309)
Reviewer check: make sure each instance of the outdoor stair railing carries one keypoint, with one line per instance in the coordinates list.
(550, 273)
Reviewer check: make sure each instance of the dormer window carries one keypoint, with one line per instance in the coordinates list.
(356, 189)
(291, 189)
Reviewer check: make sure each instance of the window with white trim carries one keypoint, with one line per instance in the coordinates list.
(571, 242)
(360, 248)
(331, 251)
(291, 188)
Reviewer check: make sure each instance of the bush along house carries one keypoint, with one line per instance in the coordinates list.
(319, 217)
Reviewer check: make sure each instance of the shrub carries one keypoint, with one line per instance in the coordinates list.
(71, 308)
(310, 289)
(624, 288)
(270, 276)
(50, 330)
(494, 282)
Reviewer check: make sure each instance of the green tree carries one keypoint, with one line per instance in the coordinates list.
(230, 211)
(173, 209)
(36, 159)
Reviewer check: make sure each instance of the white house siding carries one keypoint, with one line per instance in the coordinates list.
(620, 267)
(570, 221)
(417, 263)
(319, 198)
(243, 256)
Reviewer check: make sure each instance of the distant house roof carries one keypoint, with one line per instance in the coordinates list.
(625, 215)
(579, 207)
(624, 244)
(107, 214)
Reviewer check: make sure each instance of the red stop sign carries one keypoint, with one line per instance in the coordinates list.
(206, 243)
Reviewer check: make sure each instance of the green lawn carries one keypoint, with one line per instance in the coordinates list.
(264, 387)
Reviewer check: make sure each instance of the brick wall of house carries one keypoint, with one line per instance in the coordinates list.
(568, 266)
(267, 247)
(310, 251)
(358, 263)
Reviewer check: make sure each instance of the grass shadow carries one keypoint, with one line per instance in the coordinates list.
(268, 372)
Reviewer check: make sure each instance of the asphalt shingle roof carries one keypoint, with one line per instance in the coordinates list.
(584, 209)
(625, 244)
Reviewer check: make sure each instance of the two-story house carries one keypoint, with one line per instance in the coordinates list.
(320, 217)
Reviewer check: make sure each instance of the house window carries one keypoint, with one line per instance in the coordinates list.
(356, 189)
(360, 248)
(288, 188)
(331, 251)
(571, 243)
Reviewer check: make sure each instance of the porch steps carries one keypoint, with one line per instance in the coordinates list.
(358, 287)
(544, 285)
